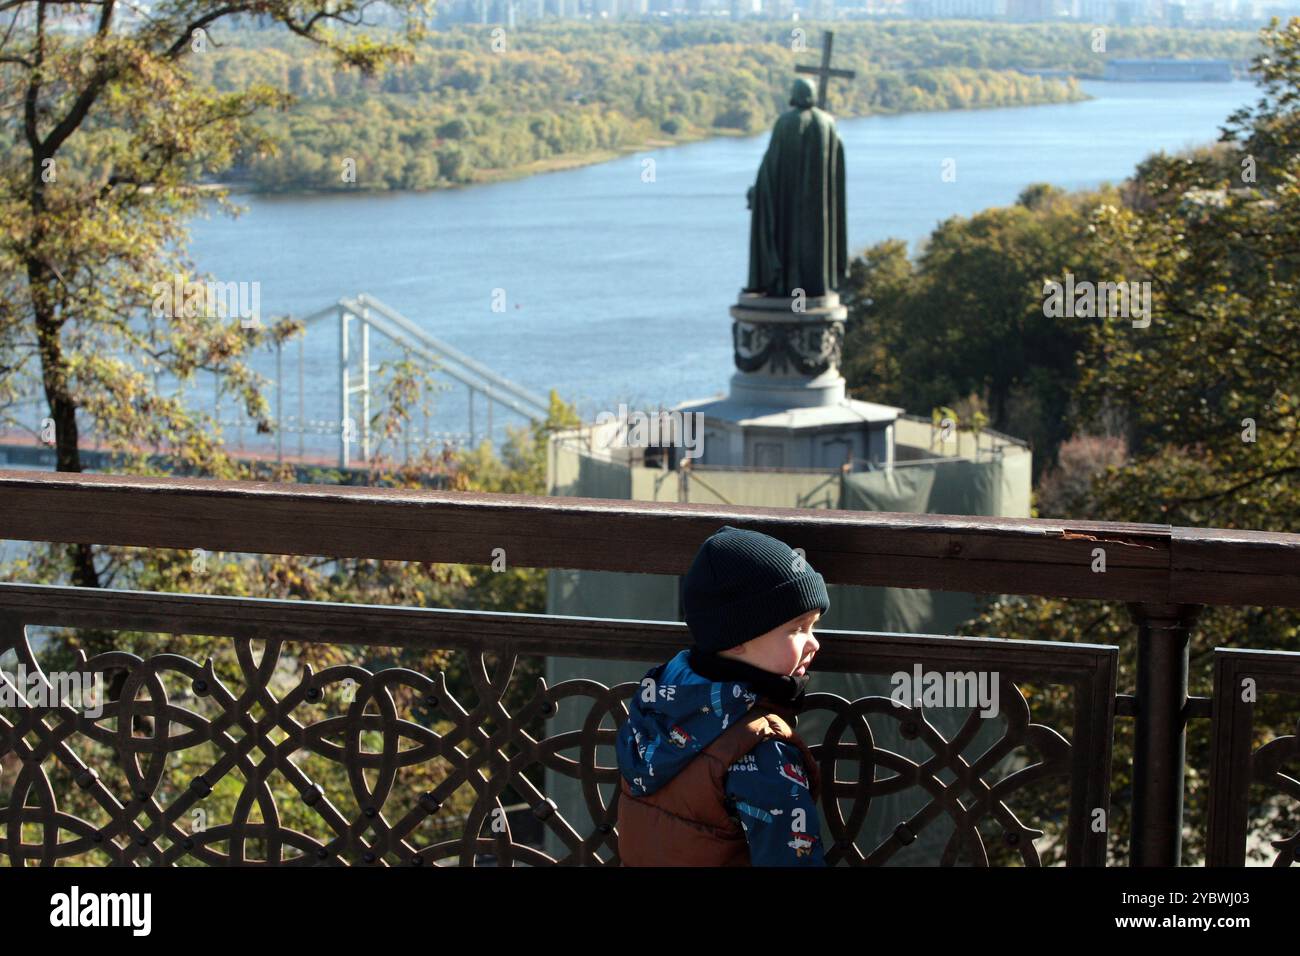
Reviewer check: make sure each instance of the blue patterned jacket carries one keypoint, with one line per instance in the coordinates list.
(675, 715)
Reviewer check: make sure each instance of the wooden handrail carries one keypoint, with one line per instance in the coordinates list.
(1156, 564)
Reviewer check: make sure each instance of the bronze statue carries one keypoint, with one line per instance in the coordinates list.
(796, 238)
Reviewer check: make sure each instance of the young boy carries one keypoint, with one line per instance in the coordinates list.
(713, 773)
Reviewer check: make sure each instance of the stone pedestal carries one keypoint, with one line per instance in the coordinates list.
(788, 407)
(787, 350)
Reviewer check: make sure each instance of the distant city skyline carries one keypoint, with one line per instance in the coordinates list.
(513, 13)
(1118, 12)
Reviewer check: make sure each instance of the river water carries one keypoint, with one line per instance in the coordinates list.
(616, 278)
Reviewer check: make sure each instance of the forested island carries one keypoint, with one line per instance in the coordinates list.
(473, 105)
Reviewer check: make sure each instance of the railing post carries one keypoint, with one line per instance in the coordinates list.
(1160, 739)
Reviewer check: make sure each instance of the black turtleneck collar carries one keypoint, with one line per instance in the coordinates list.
(785, 689)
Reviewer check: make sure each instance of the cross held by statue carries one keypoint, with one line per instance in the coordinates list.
(824, 72)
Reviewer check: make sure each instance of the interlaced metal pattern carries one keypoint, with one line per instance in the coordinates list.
(353, 765)
(1242, 679)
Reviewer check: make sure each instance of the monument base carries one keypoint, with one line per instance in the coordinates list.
(765, 390)
(787, 350)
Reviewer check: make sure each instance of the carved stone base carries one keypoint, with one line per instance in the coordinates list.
(787, 350)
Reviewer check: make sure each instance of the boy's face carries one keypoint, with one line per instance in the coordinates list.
(787, 649)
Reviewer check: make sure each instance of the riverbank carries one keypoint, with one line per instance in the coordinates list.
(562, 163)
(570, 161)
(462, 110)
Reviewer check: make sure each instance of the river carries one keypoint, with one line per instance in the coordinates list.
(617, 283)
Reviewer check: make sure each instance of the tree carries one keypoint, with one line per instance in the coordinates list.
(1207, 391)
(1210, 386)
(101, 171)
(968, 317)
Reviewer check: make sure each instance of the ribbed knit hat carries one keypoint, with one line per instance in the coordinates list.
(742, 584)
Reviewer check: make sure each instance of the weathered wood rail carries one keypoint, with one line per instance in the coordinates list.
(1154, 564)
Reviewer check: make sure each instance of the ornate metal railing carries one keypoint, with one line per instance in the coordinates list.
(381, 822)
(246, 725)
(1241, 678)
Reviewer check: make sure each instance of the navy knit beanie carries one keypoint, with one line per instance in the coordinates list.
(742, 584)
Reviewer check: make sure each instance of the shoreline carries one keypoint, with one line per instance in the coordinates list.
(569, 161)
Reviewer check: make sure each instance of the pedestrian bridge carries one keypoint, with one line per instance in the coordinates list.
(335, 432)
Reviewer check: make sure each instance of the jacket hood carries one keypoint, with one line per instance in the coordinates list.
(675, 714)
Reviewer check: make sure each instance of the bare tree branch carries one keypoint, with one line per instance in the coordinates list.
(182, 41)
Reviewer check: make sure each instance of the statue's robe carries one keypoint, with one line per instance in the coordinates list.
(797, 227)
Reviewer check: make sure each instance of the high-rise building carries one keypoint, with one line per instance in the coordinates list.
(1094, 11)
